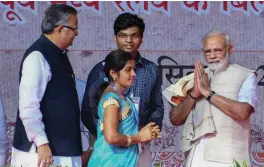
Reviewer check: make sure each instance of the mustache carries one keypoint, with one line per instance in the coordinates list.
(213, 62)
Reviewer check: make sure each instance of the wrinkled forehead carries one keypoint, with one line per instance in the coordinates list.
(216, 41)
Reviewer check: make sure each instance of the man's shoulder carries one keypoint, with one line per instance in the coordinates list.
(241, 68)
(241, 71)
(99, 65)
(149, 63)
(36, 46)
(97, 71)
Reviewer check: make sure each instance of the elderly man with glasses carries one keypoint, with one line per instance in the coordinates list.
(215, 107)
(47, 129)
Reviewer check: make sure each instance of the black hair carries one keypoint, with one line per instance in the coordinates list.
(127, 20)
(115, 60)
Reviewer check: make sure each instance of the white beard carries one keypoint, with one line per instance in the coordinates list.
(214, 66)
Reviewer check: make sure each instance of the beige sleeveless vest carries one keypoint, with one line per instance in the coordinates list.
(231, 140)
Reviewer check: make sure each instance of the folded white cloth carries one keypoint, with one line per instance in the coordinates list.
(197, 124)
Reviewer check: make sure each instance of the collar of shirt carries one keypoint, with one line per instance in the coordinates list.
(139, 59)
(55, 48)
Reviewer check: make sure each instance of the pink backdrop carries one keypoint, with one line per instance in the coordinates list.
(171, 40)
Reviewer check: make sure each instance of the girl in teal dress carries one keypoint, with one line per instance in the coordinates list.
(118, 134)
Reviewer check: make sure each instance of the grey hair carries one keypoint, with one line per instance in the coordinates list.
(56, 14)
(217, 32)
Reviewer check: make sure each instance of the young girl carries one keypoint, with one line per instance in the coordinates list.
(118, 127)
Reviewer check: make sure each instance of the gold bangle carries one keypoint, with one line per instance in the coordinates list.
(129, 140)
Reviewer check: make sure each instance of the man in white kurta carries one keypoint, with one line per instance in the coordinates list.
(47, 129)
(215, 112)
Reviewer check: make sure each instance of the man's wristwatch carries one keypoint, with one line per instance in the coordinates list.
(210, 95)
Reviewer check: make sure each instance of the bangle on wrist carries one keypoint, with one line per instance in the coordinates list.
(129, 140)
(90, 149)
(194, 98)
(210, 95)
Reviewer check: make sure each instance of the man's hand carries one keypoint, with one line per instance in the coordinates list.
(202, 79)
(195, 91)
(85, 157)
(45, 158)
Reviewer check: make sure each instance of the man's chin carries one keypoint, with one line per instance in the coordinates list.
(72, 42)
(127, 49)
(218, 67)
(213, 67)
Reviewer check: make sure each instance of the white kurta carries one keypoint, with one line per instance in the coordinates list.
(31, 90)
(248, 94)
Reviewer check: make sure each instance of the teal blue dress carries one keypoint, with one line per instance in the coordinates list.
(106, 155)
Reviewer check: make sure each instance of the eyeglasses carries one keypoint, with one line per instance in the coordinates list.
(215, 50)
(125, 36)
(69, 27)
